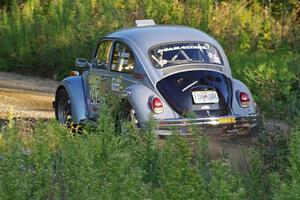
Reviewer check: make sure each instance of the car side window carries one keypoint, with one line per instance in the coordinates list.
(102, 56)
(123, 59)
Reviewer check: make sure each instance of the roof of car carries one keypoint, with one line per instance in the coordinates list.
(148, 36)
(144, 37)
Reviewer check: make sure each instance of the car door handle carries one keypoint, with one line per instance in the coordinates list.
(103, 78)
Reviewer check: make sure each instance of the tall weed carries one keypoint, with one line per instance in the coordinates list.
(53, 163)
(290, 188)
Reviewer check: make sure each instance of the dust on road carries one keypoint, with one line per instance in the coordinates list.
(26, 96)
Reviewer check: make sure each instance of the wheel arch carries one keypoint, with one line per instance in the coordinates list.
(138, 97)
(61, 87)
(75, 90)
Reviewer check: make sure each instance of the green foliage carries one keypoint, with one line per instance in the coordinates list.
(46, 36)
(52, 163)
(290, 189)
(268, 163)
(178, 177)
(274, 79)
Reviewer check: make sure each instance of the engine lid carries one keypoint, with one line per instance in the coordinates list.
(206, 93)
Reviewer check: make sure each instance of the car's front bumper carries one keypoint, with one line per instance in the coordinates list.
(186, 126)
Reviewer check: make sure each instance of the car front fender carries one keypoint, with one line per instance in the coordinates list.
(75, 89)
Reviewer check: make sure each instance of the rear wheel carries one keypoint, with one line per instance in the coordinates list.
(63, 108)
(126, 119)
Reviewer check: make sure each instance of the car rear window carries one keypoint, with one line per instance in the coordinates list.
(184, 53)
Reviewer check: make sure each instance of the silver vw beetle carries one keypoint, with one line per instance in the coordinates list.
(161, 71)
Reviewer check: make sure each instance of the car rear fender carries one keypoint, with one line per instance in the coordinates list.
(238, 86)
(138, 96)
(75, 89)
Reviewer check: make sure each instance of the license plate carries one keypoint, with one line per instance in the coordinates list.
(209, 96)
(227, 120)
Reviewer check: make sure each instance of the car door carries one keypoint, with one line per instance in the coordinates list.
(97, 78)
(121, 68)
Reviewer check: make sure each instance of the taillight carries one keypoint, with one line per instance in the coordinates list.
(156, 105)
(244, 99)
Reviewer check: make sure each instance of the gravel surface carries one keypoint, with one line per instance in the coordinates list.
(26, 96)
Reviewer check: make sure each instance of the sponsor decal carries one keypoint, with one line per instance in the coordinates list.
(116, 84)
(205, 46)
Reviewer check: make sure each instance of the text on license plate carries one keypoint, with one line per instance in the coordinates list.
(227, 120)
(209, 96)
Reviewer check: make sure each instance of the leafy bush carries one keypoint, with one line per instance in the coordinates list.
(52, 163)
(274, 79)
(290, 188)
(268, 162)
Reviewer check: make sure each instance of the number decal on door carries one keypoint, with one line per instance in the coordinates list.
(95, 94)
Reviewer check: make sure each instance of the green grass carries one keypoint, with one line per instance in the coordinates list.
(53, 163)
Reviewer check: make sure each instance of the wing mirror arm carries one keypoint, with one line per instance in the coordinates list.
(82, 63)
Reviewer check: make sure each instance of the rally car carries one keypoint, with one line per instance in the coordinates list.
(160, 71)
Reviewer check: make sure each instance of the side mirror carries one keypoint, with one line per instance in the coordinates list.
(81, 63)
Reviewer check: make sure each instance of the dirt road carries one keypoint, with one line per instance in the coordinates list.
(26, 96)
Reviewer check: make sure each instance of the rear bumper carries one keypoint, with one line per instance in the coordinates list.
(230, 124)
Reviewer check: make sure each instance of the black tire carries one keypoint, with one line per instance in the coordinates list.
(126, 115)
(63, 112)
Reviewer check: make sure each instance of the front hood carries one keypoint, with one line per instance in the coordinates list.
(177, 90)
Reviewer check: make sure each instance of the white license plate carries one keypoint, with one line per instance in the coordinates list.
(209, 96)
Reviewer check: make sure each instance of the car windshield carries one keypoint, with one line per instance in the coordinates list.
(181, 53)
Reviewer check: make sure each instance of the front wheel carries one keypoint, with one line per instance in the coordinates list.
(63, 108)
